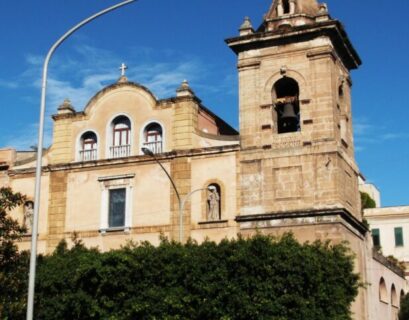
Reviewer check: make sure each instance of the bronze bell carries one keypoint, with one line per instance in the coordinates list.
(288, 112)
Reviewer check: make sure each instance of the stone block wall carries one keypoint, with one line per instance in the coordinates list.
(295, 182)
(313, 168)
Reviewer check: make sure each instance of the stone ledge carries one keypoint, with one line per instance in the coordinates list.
(213, 224)
(116, 230)
(303, 217)
(118, 177)
(27, 238)
(136, 159)
(219, 137)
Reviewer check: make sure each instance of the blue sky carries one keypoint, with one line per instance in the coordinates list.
(164, 42)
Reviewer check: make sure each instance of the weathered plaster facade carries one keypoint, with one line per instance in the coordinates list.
(291, 169)
(390, 223)
(74, 193)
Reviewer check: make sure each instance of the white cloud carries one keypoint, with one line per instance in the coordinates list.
(29, 137)
(361, 127)
(89, 69)
(367, 133)
(359, 148)
(79, 78)
(34, 60)
(164, 78)
(9, 84)
(394, 136)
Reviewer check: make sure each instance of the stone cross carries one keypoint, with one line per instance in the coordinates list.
(123, 67)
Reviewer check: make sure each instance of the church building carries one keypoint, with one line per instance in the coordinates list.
(129, 166)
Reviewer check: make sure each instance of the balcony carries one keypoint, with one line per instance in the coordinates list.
(120, 151)
(88, 155)
(155, 147)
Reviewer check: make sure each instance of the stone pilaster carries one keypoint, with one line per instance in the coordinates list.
(181, 173)
(56, 209)
(249, 103)
(61, 150)
(185, 117)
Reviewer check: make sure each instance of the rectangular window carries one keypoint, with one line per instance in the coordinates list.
(399, 237)
(376, 238)
(116, 215)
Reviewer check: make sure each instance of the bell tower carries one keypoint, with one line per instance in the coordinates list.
(296, 167)
(297, 151)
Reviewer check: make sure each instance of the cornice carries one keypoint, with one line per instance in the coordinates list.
(332, 28)
(103, 163)
(342, 212)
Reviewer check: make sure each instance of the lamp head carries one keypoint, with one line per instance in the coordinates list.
(147, 152)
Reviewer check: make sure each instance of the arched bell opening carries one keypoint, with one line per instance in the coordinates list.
(286, 99)
(286, 6)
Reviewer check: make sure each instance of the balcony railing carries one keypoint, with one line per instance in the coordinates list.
(155, 147)
(120, 151)
(88, 155)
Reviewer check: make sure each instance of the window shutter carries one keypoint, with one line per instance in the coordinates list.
(398, 237)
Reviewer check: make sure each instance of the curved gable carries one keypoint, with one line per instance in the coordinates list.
(118, 86)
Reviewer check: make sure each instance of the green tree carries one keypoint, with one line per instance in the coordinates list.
(13, 265)
(366, 201)
(404, 308)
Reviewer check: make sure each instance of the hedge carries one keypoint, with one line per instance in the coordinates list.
(257, 278)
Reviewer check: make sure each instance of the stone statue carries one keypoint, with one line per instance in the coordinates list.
(28, 215)
(213, 204)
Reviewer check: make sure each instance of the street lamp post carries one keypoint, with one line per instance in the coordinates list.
(33, 256)
(181, 202)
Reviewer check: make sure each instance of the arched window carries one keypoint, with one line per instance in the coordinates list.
(153, 137)
(88, 146)
(286, 98)
(121, 137)
(383, 292)
(394, 297)
(214, 197)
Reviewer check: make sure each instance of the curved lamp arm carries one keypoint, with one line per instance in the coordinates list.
(187, 197)
(33, 256)
(182, 208)
(149, 152)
